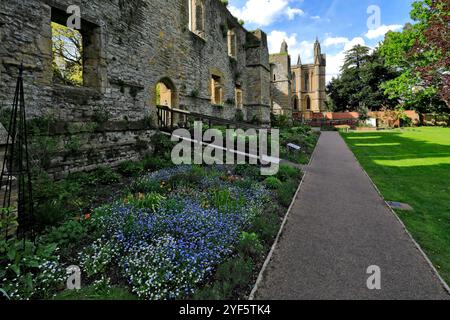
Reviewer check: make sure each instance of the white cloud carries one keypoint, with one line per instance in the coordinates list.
(292, 12)
(304, 48)
(354, 42)
(335, 41)
(315, 17)
(265, 12)
(336, 61)
(382, 30)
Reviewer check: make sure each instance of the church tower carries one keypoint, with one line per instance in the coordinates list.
(281, 89)
(308, 85)
(319, 77)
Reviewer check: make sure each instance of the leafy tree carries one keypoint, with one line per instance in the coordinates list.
(355, 57)
(434, 44)
(421, 57)
(67, 55)
(359, 83)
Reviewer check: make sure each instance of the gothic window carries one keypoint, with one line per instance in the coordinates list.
(76, 53)
(197, 16)
(232, 43)
(239, 100)
(216, 90)
(308, 103)
(295, 103)
(306, 81)
(294, 83)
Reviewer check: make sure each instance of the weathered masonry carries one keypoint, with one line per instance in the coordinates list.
(186, 54)
(298, 91)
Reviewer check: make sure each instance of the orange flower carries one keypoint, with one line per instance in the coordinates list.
(87, 216)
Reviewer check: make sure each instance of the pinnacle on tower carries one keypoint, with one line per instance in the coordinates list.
(284, 47)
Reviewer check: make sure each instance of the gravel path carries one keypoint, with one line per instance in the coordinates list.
(338, 227)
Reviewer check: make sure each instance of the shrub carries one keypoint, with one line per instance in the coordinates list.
(106, 175)
(287, 172)
(250, 245)
(286, 192)
(65, 236)
(131, 168)
(248, 170)
(151, 163)
(28, 271)
(266, 226)
(144, 185)
(273, 183)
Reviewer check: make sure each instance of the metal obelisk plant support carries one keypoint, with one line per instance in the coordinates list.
(15, 176)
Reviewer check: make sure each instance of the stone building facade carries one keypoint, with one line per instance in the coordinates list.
(281, 88)
(298, 90)
(196, 53)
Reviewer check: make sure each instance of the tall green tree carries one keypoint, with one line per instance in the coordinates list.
(421, 56)
(358, 86)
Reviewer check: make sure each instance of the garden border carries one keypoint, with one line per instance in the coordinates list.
(416, 244)
(280, 232)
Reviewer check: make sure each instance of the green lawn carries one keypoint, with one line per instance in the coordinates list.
(413, 166)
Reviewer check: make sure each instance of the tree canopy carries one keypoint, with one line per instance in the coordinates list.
(409, 69)
(358, 86)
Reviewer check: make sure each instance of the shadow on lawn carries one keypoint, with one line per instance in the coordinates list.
(396, 146)
(414, 171)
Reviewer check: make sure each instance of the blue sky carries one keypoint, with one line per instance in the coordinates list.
(339, 24)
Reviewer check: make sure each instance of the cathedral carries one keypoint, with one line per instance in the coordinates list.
(298, 91)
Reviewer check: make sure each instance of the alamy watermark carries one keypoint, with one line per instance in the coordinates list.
(374, 280)
(74, 278)
(212, 147)
(374, 20)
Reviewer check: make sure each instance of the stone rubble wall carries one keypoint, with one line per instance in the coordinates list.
(139, 43)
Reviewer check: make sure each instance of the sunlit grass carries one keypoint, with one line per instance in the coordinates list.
(413, 166)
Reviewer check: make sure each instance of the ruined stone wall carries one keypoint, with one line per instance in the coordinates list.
(281, 84)
(135, 44)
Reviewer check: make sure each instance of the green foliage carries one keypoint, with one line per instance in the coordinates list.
(162, 146)
(29, 271)
(150, 200)
(286, 192)
(250, 245)
(131, 168)
(8, 221)
(248, 170)
(145, 185)
(224, 201)
(73, 144)
(359, 82)
(232, 275)
(54, 201)
(266, 226)
(415, 53)
(101, 116)
(96, 293)
(287, 172)
(66, 235)
(273, 183)
(280, 121)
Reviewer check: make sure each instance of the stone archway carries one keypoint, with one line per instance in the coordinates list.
(166, 93)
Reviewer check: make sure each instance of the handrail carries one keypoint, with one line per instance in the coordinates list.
(165, 115)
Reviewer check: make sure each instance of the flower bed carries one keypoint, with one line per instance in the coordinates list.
(176, 233)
